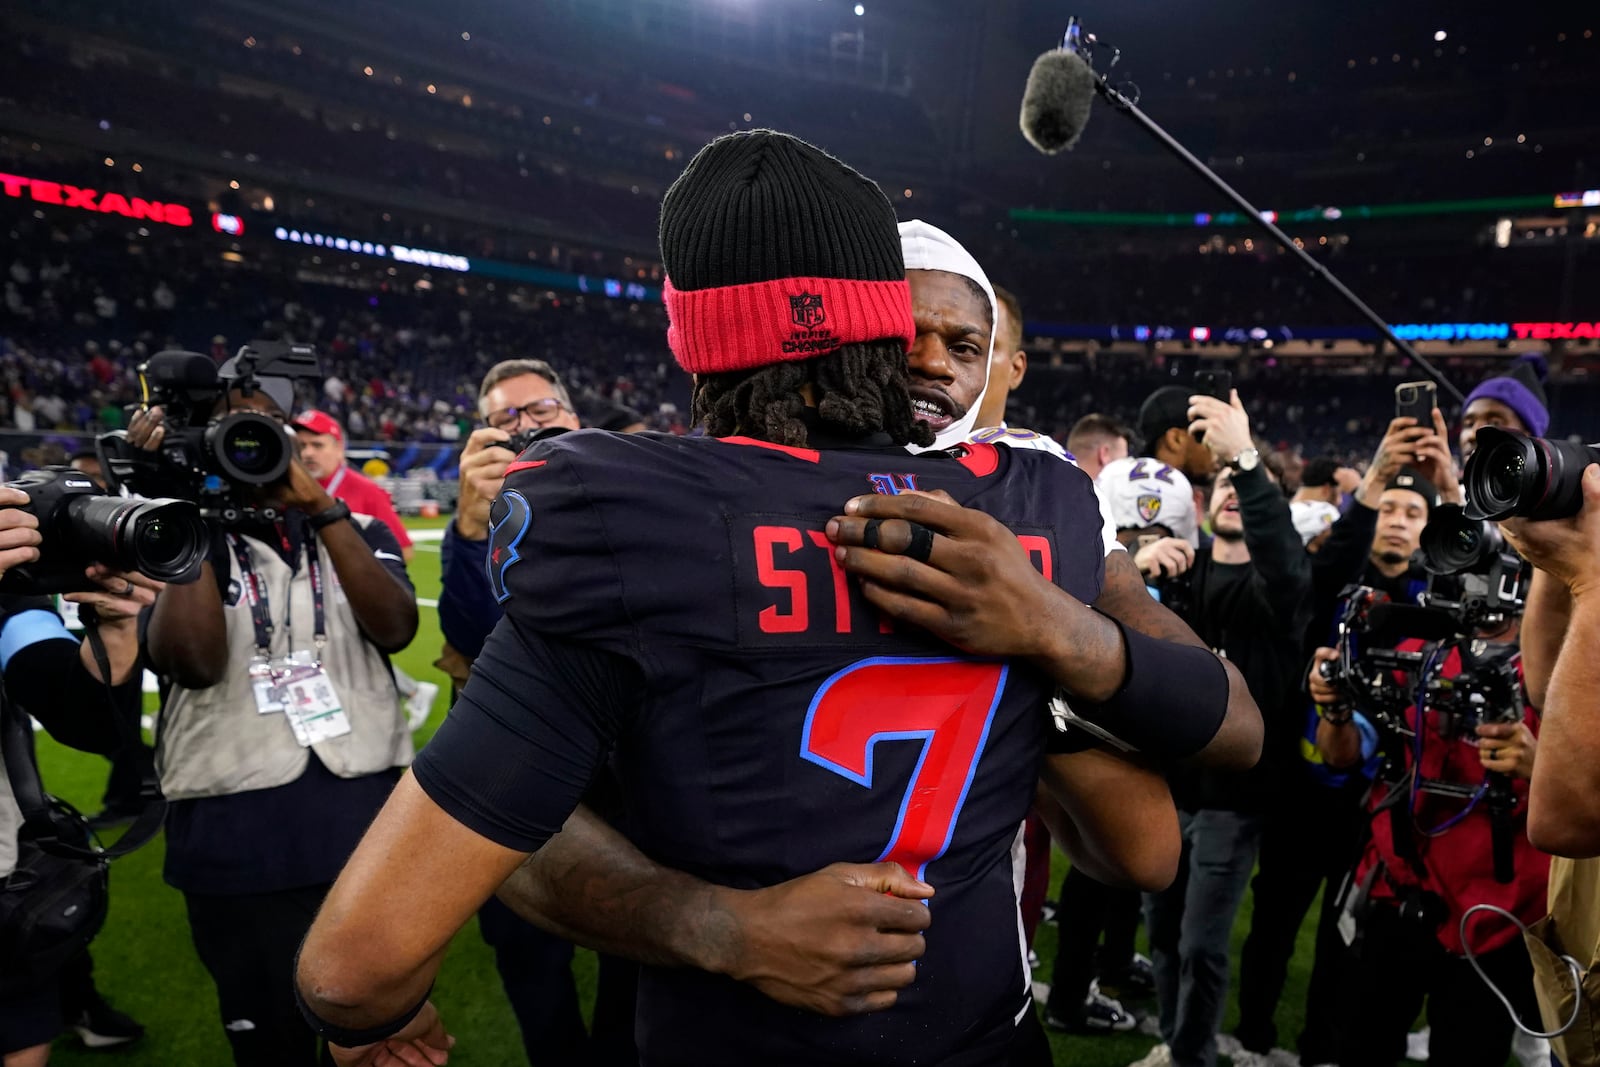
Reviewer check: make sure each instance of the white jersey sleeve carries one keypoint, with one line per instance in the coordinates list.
(1013, 437)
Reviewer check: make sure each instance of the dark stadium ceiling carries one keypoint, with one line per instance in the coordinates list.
(1185, 35)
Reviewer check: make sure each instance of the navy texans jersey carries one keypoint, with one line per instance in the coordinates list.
(779, 724)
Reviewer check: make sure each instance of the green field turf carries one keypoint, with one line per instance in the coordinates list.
(146, 965)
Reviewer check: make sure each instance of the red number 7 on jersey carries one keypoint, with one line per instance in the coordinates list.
(948, 704)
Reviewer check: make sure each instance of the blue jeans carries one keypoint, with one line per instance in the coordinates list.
(1190, 926)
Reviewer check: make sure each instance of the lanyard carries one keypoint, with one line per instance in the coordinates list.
(336, 481)
(255, 589)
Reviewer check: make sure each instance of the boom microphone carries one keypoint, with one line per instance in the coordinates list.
(1055, 108)
(1057, 100)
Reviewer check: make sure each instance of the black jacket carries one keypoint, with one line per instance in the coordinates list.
(1256, 615)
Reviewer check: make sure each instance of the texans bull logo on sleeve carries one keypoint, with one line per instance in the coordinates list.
(509, 521)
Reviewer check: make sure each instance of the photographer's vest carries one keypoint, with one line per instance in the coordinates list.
(213, 742)
(10, 823)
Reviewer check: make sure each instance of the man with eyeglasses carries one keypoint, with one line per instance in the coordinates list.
(517, 396)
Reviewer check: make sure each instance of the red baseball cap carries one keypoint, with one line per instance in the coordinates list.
(316, 421)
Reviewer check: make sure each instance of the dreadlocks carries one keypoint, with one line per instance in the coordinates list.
(861, 389)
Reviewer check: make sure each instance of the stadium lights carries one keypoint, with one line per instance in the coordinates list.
(860, 10)
(1205, 219)
(1439, 35)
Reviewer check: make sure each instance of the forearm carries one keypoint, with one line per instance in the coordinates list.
(188, 635)
(467, 607)
(1564, 799)
(1544, 627)
(1342, 557)
(467, 522)
(592, 886)
(358, 967)
(1280, 561)
(1084, 652)
(1339, 743)
(121, 643)
(1120, 824)
(385, 610)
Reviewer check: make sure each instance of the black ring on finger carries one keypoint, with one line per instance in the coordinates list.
(129, 590)
(869, 533)
(921, 546)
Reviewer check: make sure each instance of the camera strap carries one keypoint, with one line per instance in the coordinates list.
(319, 620)
(255, 591)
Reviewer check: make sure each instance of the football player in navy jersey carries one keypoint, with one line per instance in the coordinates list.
(686, 607)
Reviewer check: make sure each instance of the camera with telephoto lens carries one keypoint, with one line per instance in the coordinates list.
(215, 460)
(1512, 475)
(79, 525)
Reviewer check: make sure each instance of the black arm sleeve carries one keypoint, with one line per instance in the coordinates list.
(532, 727)
(1344, 554)
(49, 681)
(1282, 565)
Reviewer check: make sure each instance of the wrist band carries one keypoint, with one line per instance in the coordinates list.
(323, 519)
(345, 1037)
(1172, 701)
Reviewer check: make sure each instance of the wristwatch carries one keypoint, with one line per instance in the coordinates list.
(1248, 460)
(323, 519)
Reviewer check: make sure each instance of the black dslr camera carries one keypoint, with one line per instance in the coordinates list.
(80, 525)
(521, 442)
(212, 459)
(1511, 475)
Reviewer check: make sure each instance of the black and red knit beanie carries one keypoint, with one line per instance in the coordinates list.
(776, 251)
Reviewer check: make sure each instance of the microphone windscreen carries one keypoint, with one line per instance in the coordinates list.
(181, 370)
(1056, 102)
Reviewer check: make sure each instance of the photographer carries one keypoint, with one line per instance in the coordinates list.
(281, 730)
(1447, 817)
(50, 676)
(517, 397)
(1311, 839)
